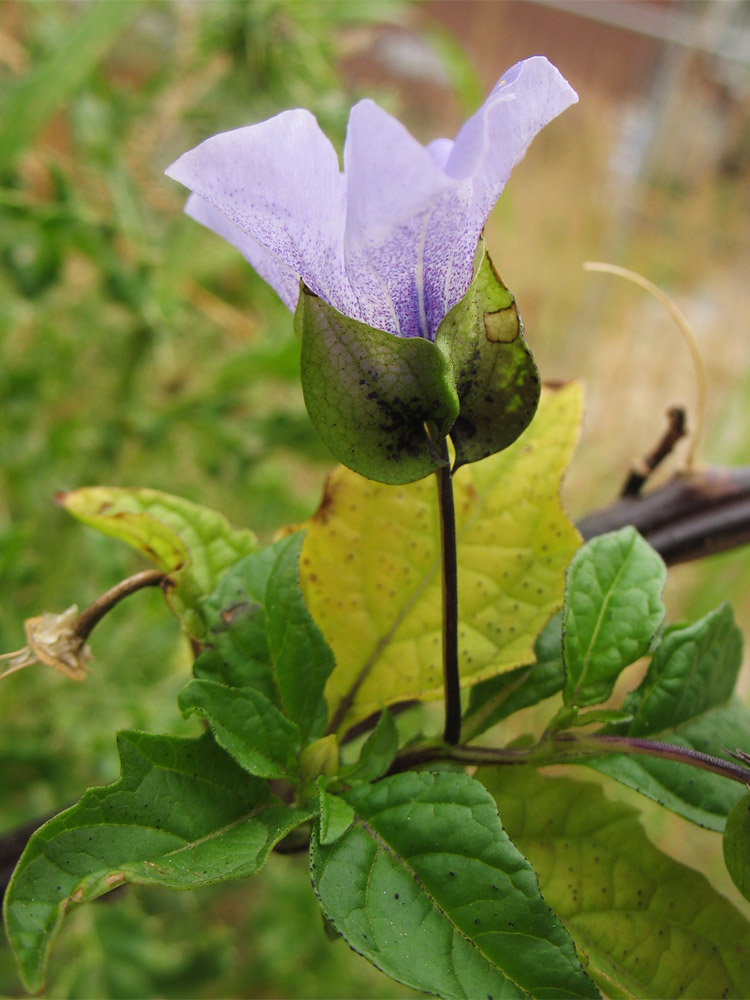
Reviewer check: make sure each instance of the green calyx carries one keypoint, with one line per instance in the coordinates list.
(370, 394)
(381, 402)
(496, 379)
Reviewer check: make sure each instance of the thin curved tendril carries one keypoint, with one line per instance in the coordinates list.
(685, 330)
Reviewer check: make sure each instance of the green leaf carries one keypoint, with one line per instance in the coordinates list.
(737, 845)
(494, 372)
(336, 815)
(428, 887)
(237, 650)
(193, 544)
(370, 568)
(377, 753)
(599, 715)
(704, 798)
(694, 669)
(650, 927)
(495, 699)
(370, 393)
(247, 725)
(59, 74)
(685, 699)
(261, 635)
(612, 609)
(182, 814)
(302, 659)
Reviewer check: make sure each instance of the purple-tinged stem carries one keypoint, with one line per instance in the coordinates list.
(567, 747)
(596, 743)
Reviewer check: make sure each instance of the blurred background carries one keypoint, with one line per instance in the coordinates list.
(137, 349)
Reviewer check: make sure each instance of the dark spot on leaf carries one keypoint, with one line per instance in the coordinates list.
(229, 614)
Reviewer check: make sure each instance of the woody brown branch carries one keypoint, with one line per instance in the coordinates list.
(695, 514)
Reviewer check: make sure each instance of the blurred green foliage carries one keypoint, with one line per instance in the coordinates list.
(137, 349)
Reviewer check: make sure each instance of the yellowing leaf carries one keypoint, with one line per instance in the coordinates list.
(370, 568)
(649, 926)
(193, 544)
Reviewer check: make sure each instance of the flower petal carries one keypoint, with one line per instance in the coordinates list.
(491, 143)
(391, 242)
(414, 214)
(396, 192)
(278, 183)
(496, 137)
(440, 150)
(282, 278)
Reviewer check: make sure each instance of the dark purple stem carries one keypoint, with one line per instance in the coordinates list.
(452, 732)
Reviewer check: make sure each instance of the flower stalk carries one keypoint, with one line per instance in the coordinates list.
(93, 614)
(59, 640)
(447, 515)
